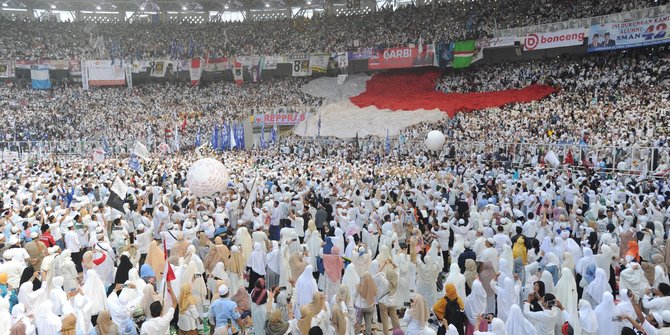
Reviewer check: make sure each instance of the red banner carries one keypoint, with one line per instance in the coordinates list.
(397, 58)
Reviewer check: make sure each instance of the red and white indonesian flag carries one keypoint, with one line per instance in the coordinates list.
(195, 71)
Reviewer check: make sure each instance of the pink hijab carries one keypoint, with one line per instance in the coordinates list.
(333, 264)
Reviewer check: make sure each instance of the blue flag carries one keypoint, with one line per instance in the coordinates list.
(263, 135)
(197, 138)
(215, 138)
(134, 164)
(273, 134)
(105, 145)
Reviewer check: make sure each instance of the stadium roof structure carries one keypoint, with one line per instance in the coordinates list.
(160, 5)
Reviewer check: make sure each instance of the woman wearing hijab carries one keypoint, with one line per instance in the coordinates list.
(633, 253)
(339, 320)
(236, 268)
(566, 293)
(276, 324)
(605, 312)
(518, 324)
(46, 321)
(333, 265)
(28, 295)
(548, 281)
(105, 324)
(307, 287)
(57, 296)
(156, 259)
(552, 267)
(273, 259)
(189, 318)
(450, 311)
(304, 323)
(256, 265)
(21, 323)
(470, 274)
(320, 312)
(587, 318)
(345, 303)
(508, 295)
(426, 274)
(94, 290)
(457, 278)
(259, 299)
(364, 301)
(474, 305)
(416, 316)
(122, 273)
(69, 321)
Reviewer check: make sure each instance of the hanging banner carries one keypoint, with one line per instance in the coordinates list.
(84, 75)
(6, 69)
(23, 64)
(57, 64)
(195, 71)
(496, 42)
(138, 66)
(397, 58)
(217, 65)
(158, 69)
(270, 62)
(342, 59)
(630, 34)
(364, 53)
(301, 68)
(319, 63)
(554, 39)
(104, 73)
(283, 119)
(74, 66)
(129, 75)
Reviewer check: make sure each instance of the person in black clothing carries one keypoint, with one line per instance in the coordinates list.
(468, 253)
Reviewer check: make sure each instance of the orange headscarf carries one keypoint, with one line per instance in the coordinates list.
(452, 295)
(633, 250)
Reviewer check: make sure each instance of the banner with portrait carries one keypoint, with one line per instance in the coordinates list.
(629, 34)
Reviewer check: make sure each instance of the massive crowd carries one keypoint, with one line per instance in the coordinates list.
(324, 236)
(446, 21)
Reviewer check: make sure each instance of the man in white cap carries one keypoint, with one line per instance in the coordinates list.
(223, 310)
(73, 244)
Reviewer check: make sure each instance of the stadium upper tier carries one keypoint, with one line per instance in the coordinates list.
(448, 21)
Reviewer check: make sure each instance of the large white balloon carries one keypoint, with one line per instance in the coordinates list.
(435, 140)
(207, 177)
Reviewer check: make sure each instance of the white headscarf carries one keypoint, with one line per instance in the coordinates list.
(507, 296)
(548, 280)
(566, 293)
(587, 318)
(517, 324)
(604, 259)
(598, 286)
(475, 303)
(604, 312)
(633, 278)
(28, 297)
(457, 278)
(307, 287)
(498, 327)
(584, 262)
(349, 250)
(351, 279)
(257, 259)
(95, 291)
(272, 258)
(45, 320)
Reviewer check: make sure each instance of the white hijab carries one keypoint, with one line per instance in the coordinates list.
(598, 286)
(475, 303)
(566, 293)
(587, 317)
(257, 259)
(28, 297)
(507, 296)
(95, 291)
(633, 278)
(517, 324)
(604, 312)
(604, 259)
(548, 280)
(45, 320)
(272, 258)
(584, 262)
(307, 287)
(457, 278)
(351, 279)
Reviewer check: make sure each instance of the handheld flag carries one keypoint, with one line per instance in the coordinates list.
(569, 160)
(117, 195)
(463, 53)
(388, 143)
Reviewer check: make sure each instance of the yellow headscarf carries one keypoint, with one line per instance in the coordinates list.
(3, 278)
(452, 295)
(186, 299)
(519, 250)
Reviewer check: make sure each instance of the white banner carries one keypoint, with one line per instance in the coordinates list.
(270, 62)
(159, 68)
(319, 63)
(103, 73)
(129, 75)
(84, 75)
(342, 59)
(556, 39)
(6, 69)
(301, 68)
(496, 42)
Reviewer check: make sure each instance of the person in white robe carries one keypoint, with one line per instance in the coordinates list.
(307, 286)
(633, 278)
(426, 274)
(121, 310)
(46, 321)
(566, 293)
(475, 305)
(517, 323)
(587, 318)
(605, 312)
(595, 290)
(457, 278)
(94, 290)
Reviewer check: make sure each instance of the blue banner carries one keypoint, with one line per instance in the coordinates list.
(630, 34)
